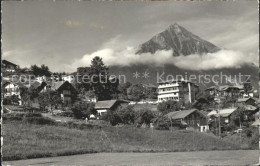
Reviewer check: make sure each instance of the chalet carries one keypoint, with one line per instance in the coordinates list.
(8, 66)
(246, 101)
(189, 118)
(69, 78)
(41, 78)
(10, 89)
(109, 105)
(249, 112)
(225, 114)
(230, 91)
(65, 89)
(213, 91)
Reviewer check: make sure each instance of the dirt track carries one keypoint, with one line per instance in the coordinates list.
(245, 157)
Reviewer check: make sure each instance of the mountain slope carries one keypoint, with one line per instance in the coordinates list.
(181, 41)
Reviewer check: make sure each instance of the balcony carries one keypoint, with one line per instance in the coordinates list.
(169, 91)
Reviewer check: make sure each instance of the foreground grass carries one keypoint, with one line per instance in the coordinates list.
(24, 140)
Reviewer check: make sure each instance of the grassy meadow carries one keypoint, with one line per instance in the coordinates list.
(34, 137)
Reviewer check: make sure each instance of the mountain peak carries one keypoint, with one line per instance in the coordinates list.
(178, 39)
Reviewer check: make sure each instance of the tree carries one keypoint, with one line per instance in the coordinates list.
(248, 87)
(83, 110)
(168, 106)
(28, 94)
(122, 89)
(49, 98)
(127, 115)
(162, 123)
(43, 70)
(145, 116)
(44, 100)
(100, 82)
(136, 92)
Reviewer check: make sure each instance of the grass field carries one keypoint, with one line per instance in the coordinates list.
(23, 140)
(139, 107)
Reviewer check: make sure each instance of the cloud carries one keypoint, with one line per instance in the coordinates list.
(218, 60)
(127, 57)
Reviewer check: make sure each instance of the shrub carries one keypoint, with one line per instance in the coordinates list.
(39, 120)
(83, 110)
(162, 123)
(168, 106)
(145, 116)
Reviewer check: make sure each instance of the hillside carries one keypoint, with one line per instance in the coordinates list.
(156, 71)
(44, 140)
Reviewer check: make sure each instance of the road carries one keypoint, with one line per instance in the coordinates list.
(236, 158)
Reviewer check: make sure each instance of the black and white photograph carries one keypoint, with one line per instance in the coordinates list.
(133, 83)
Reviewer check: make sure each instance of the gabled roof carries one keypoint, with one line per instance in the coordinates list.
(244, 99)
(249, 107)
(20, 85)
(37, 85)
(223, 112)
(182, 114)
(107, 104)
(256, 123)
(8, 63)
(57, 85)
(212, 87)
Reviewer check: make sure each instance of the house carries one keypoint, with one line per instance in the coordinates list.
(69, 78)
(249, 112)
(41, 78)
(246, 101)
(225, 114)
(65, 89)
(8, 66)
(230, 91)
(178, 90)
(109, 105)
(10, 89)
(213, 91)
(189, 118)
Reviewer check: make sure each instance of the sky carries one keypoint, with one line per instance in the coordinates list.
(66, 35)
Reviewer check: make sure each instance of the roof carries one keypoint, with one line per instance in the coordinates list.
(223, 112)
(149, 86)
(106, 104)
(249, 107)
(176, 80)
(37, 85)
(256, 123)
(244, 99)
(56, 85)
(20, 85)
(181, 114)
(212, 87)
(8, 63)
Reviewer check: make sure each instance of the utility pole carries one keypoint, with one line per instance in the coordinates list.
(219, 128)
(240, 132)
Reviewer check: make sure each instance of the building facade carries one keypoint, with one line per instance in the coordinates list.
(181, 91)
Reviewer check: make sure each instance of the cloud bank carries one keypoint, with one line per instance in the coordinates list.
(127, 57)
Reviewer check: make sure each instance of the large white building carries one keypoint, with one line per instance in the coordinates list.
(177, 90)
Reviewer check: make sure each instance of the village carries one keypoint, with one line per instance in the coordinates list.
(170, 105)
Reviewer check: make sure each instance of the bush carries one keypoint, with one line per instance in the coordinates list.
(162, 123)
(39, 120)
(33, 118)
(83, 110)
(168, 106)
(145, 116)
